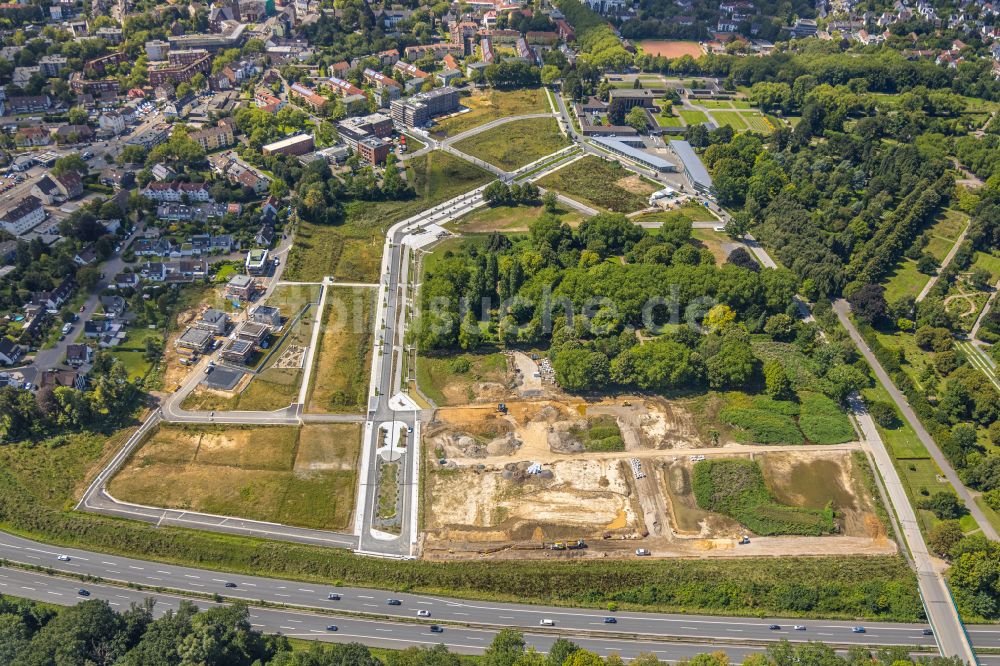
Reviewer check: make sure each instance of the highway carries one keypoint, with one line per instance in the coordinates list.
(483, 615)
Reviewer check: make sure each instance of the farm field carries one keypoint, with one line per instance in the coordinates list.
(601, 183)
(509, 219)
(351, 252)
(340, 375)
(299, 476)
(515, 144)
(490, 105)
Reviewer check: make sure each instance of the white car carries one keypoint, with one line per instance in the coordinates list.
(423, 613)
(547, 622)
(63, 558)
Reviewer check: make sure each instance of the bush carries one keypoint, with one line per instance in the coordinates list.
(764, 427)
(944, 505)
(460, 365)
(736, 488)
(823, 421)
(943, 537)
(883, 413)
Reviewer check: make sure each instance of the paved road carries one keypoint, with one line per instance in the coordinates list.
(479, 614)
(938, 603)
(842, 309)
(944, 264)
(371, 632)
(53, 356)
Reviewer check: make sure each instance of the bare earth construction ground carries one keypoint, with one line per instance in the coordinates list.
(512, 485)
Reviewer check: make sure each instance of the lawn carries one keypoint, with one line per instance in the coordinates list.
(944, 232)
(667, 121)
(693, 117)
(515, 144)
(135, 363)
(715, 104)
(732, 118)
(718, 243)
(602, 184)
(905, 280)
(451, 379)
(989, 262)
(294, 475)
(340, 374)
(509, 219)
(353, 251)
(492, 104)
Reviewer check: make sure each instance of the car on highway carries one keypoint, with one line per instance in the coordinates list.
(333, 596)
(230, 584)
(436, 629)
(331, 627)
(858, 630)
(394, 602)
(83, 592)
(799, 627)
(928, 632)
(63, 558)
(775, 627)
(423, 613)
(546, 622)
(610, 620)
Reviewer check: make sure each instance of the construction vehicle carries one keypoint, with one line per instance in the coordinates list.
(745, 540)
(558, 545)
(577, 545)
(502, 408)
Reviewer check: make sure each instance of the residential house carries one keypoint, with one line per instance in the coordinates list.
(177, 191)
(237, 351)
(61, 377)
(213, 320)
(253, 332)
(32, 136)
(266, 315)
(25, 215)
(77, 355)
(126, 280)
(113, 306)
(85, 257)
(10, 352)
(57, 189)
(242, 287)
(195, 340)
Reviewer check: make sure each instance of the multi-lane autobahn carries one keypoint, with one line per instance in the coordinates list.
(365, 614)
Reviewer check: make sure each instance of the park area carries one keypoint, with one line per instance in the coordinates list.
(352, 252)
(509, 219)
(515, 144)
(490, 104)
(302, 476)
(603, 184)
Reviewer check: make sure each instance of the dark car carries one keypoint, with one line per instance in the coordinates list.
(333, 596)
(83, 593)
(858, 630)
(331, 627)
(394, 602)
(437, 629)
(610, 620)
(230, 584)
(775, 627)
(928, 632)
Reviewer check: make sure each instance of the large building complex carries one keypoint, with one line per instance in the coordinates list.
(418, 110)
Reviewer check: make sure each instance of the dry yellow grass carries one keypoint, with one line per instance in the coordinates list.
(340, 378)
(299, 476)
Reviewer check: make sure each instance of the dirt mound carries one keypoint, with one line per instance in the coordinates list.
(504, 446)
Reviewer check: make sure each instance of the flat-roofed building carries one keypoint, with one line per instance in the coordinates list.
(418, 110)
(195, 339)
(300, 144)
(694, 168)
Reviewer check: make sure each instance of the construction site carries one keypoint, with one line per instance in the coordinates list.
(553, 476)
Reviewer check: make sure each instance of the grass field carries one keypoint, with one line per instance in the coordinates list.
(298, 476)
(732, 118)
(757, 122)
(352, 251)
(439, 381)
(905, 280)
(340, 375)
(492, 104)
(692, 117)
(989, 262)
(509, 219)
(514, 144)
(134, 361)
(601, 184)
(668, 121)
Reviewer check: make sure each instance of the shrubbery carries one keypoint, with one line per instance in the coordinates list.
(823, 421)
(736, 488)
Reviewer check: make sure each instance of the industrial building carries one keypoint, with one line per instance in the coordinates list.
(641, 156)
(694, 169)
